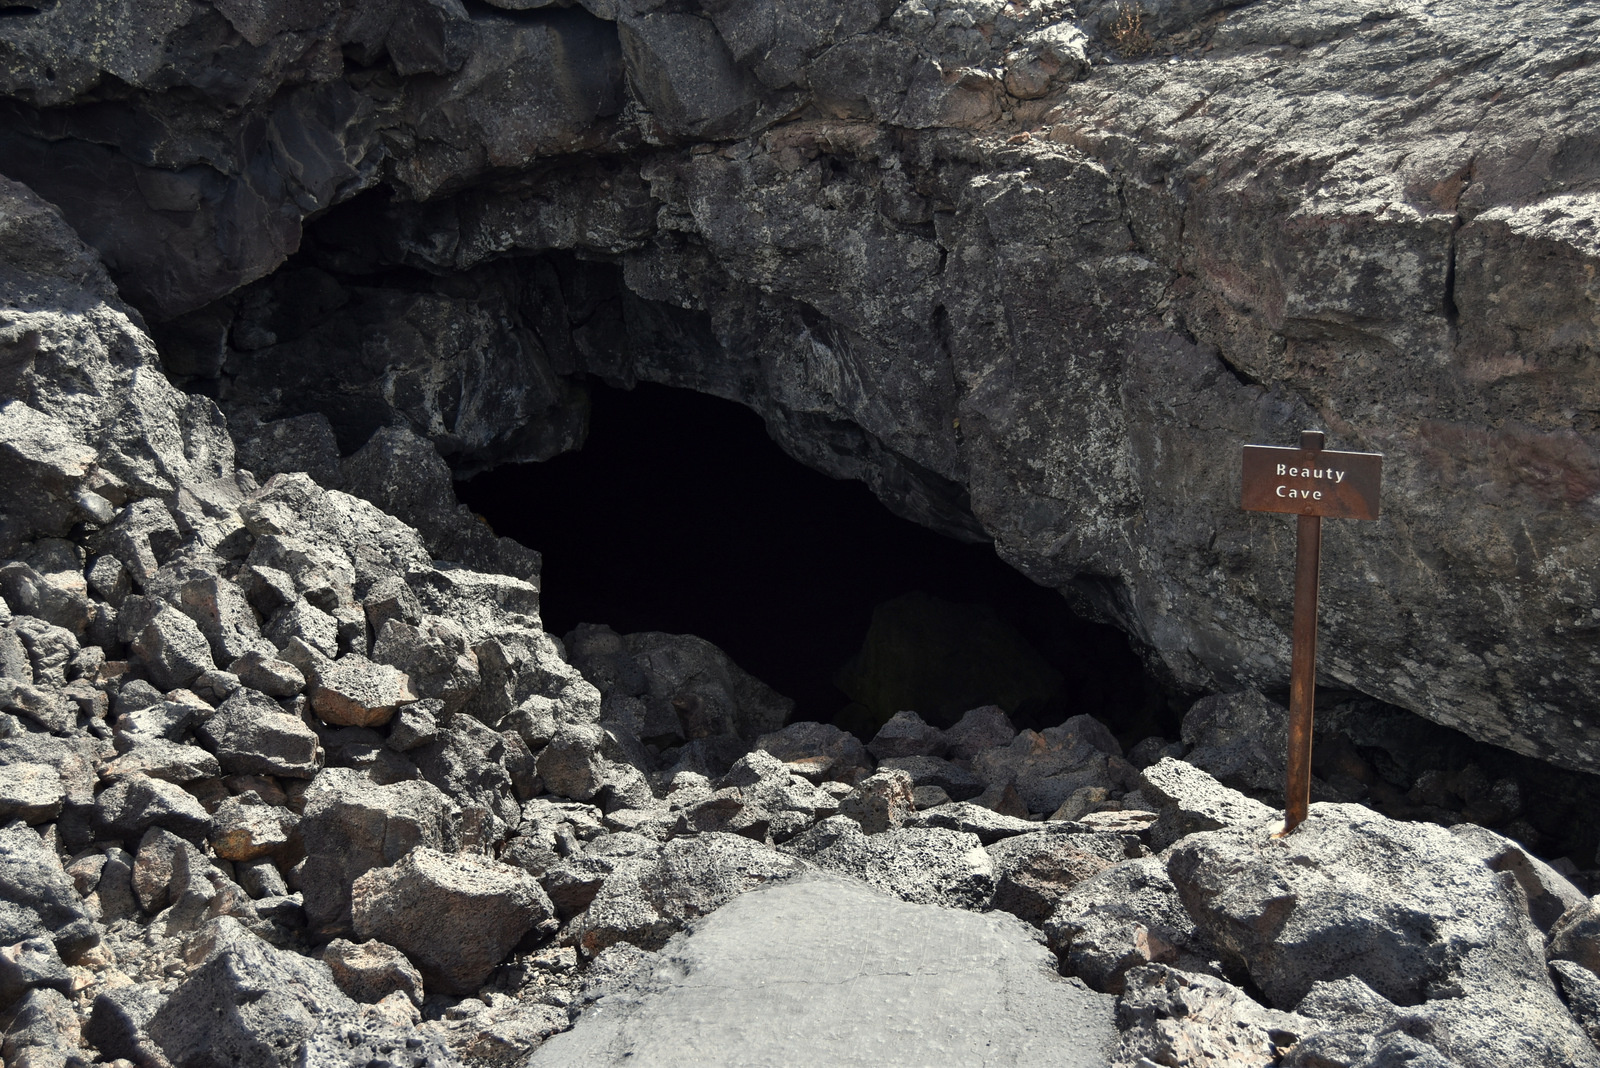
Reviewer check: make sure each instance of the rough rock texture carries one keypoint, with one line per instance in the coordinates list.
(1450, 939)
(455, 917)
(1031, 273)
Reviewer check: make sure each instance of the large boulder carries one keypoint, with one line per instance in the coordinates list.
(1404, 907)
(350, 826)
(456, 917)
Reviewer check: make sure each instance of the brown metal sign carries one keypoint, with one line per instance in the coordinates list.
(1336, 485)
(1310, 482)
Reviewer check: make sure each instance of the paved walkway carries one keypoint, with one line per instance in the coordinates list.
(821, 971)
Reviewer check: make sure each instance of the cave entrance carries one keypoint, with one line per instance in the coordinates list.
(681, 515)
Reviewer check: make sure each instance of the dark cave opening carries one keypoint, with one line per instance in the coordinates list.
(681, 515)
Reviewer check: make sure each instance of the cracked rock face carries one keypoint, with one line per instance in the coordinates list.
(1032, 275)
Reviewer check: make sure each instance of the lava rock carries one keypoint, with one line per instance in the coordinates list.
(1239, 739)
(954, 780)
(165, 642)
(371, 971)
(33, 793)
(819, 751)
(255, 1006)
(1402, 906)
(251, 735)
(351, 826)
(881, 802)
(645, 901)
(925, 865)
(244, 830)
(134, 803)
(456, 916)
(990, 826)
(1048, 767)
(906, 735)
(38, 897)
(978, 729)
(354, 692)
(1192, 801)
(1172, 1017)
(1033, 872)
(161, 759)
(1126, 916)
(268, 674)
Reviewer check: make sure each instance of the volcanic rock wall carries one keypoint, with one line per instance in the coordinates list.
(1031, 272)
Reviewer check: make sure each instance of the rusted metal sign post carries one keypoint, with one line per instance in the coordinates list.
(1309, 482)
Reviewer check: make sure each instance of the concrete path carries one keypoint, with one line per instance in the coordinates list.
(821, 971)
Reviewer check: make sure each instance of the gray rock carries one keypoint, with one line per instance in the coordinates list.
(268, 674)
(689, 680)
(119, 1021)
(953, 779)
(144, 715)
(33, 793)
(28, 593)
(309, 624)
(251, 734)
(143, 538)
(165, 642)
(1173, 1017)
(1350, 1021)
(880, 802)
(1127, 916)
(989, 825)
(571, 765)
(573, 882)
(1402, 906)
(435, 658)
(390, 598)
(978, 729)
(136, 802)
(1576, 936)
(456, 917)
(415, 724)
(260, 878)
(1034, 872)
(1048, 767)
(243, 829)
(881, 997)
(1192, 801)
(1550, 894)
(371, 971)
(467, 764)
(354, 692)
(218, 607)
(43, 1021)
(646, 901)
(161, 759)
(351, 826)
(820, 751)
(251, 1005)
(299, 443)
(1580, 989)
(925, 865)
(30, 964)
(906, 735)
(1239, 739)
(37, 898)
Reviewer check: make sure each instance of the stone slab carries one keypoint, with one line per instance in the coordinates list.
(820, 970)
